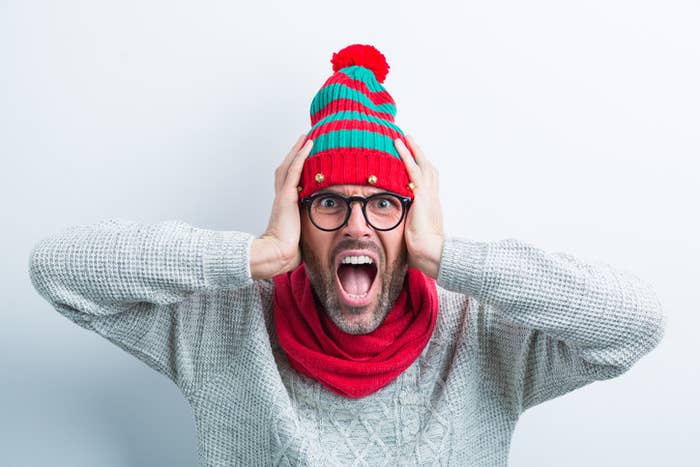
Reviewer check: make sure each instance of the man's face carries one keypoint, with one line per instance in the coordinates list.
(357, 297)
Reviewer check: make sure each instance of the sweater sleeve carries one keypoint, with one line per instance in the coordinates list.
(139, 285)
(558, 322)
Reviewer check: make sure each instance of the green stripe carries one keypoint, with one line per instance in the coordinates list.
(354, 139)
(352, 115)
(340, 91)
(363, 74)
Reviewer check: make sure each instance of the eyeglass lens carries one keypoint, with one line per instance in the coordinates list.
(382, 211)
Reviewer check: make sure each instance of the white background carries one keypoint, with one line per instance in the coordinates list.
(570, 125)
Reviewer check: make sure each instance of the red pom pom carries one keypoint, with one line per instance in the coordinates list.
(362, 55)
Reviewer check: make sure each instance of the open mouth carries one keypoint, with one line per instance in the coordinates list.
(356, 274)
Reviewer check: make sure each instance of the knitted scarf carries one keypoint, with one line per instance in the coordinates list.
(353, 365)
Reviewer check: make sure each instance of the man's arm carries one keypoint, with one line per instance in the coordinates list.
(558, 322)
(581, 321)
(138, 286)
(277, 250)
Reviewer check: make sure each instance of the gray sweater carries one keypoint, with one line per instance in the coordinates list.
(516, 326)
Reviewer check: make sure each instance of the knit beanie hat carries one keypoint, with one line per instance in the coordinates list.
(353, 129)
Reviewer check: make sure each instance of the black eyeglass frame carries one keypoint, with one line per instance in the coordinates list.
(308, 201)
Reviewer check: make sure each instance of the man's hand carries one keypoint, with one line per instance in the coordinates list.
(277, 250)
(423, 233)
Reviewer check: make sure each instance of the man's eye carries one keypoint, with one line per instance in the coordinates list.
(328, 202)
(384, 203)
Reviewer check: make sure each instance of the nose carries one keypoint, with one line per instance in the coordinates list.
(357, 226)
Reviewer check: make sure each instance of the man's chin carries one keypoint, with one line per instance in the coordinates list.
(357, 319)
(356, 324)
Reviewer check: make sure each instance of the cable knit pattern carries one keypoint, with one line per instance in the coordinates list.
(517, 326)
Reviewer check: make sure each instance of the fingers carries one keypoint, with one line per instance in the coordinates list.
(407, 158)
(417, 151)
(295, 167)
(405, 154)
(292, 152)
(283, 169)
(420, 170)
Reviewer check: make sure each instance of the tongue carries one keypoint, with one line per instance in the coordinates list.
(355, 279)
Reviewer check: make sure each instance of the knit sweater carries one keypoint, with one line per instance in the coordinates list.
(516, 326)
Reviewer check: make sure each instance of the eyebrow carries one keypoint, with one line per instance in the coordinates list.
(328, 190)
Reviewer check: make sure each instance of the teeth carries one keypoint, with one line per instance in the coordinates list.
(357, 260)
(357, 296)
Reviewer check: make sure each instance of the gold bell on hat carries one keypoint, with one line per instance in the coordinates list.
(372, 179)
(319, 177)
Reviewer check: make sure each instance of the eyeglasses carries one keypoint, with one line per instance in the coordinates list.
(331, 211)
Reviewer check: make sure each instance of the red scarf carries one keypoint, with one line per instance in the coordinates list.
(353, 365)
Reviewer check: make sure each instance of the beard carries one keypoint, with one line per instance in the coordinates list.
(326, 295)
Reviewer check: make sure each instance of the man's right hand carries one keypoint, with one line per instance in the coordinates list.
(277, 250)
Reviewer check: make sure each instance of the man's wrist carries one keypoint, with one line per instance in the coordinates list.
(267, 259)
(428, 261)
(262, 259)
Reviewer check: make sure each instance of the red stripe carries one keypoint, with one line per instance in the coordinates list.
(337, 105)
(354, 166)
(354, 125)
(377, 97)
(365, 151)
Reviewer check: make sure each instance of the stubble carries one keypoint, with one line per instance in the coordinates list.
(328, 298)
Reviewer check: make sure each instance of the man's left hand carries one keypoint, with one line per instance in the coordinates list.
(423, 232)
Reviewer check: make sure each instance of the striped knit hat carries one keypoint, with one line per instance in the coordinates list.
(353, 130)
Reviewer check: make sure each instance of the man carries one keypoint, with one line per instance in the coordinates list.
(353, 331)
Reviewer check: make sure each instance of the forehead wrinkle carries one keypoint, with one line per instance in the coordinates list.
(350, 190)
